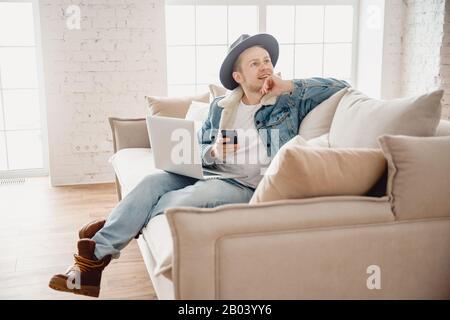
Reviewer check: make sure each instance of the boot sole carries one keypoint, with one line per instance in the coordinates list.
(60, 285)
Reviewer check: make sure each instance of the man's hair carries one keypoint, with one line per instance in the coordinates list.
(237, 63)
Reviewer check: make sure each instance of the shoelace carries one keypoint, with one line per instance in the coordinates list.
(85, 265)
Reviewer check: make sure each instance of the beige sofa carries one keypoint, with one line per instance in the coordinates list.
(317, 248)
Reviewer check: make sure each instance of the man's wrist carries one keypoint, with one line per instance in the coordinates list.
(207, 158)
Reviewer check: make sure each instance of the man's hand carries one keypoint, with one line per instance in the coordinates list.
(274, 84)
(221, 148)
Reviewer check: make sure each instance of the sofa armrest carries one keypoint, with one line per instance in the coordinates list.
(129, 133)
(199, 235)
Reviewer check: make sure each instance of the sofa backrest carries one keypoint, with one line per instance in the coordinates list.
(174, 107)
(318, 121)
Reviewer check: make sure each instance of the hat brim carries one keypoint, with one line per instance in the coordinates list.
(264, 40)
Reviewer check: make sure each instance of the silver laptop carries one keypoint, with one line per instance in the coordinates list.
(176, 149)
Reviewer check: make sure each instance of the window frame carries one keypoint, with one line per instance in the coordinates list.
(262, 4)
(44, 171)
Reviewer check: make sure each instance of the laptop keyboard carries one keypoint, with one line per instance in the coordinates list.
(207, 173)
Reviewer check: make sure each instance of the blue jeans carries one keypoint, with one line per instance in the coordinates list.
(156, 193)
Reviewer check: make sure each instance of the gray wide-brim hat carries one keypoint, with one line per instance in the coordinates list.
(244, 42)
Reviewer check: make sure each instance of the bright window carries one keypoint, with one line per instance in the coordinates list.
(21, 141)
(320, 42)
(196, 50)
(317, 38)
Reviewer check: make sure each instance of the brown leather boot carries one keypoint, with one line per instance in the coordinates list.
(91, 228)
(85, 276)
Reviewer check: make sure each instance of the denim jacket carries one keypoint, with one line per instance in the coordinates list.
(277, 120)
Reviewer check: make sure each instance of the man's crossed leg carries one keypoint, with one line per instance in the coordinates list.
(152, 196)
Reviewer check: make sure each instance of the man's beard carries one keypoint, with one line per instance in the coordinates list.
(253, 87)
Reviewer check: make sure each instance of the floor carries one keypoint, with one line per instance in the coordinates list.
(38, 233)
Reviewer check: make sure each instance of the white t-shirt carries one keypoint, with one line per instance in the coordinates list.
(251, 158)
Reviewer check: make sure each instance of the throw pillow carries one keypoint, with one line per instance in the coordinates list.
(318, 121)
(173, 107)
(320, 141)
(298, 171)
(217, 91)
(418, 175)
(360, 120)
(198, 111)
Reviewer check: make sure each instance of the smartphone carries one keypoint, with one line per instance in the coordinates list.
(232, 134)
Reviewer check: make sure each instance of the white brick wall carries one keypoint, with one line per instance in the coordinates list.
(445, 63)
(417, 49)
(392, 49)
(103, 69)
(422, 40)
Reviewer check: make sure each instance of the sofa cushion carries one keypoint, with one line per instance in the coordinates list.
(443, 129)
(301, 171)
(217, 91)
(173, 107)
(360, 120)
(159, 239)
(130, 175)
(318, 121)
(418, 175)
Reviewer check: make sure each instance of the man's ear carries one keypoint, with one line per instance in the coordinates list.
(237, 76)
